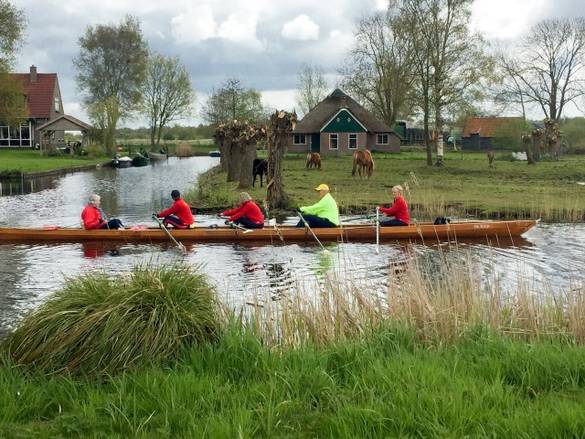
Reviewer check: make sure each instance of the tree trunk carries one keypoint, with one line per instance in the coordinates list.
(282, 124)
(152, 135)
(428, 145)
(223, 155)
(248, 154)
(233, 161)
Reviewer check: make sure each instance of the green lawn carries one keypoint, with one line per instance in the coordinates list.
(464, 185)
(32, 161)
(387, 385)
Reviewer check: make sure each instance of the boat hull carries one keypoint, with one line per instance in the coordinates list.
(347, 233)
(156, 156)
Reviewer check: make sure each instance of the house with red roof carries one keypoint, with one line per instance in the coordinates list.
(479, 132)
(339, 125)
(47, 121)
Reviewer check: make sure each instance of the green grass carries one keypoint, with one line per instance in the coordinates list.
(388, 385)
(12, 161)
(464, 185)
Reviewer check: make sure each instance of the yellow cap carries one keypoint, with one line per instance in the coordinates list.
(322, 187)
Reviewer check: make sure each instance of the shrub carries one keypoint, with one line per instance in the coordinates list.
(183, 150)
(96, 325)
(94, 150)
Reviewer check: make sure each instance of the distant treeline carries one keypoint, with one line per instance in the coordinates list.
(171, 133)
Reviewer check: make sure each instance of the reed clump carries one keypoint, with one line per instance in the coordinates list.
(440, 305)
(97, 325)
(184, 150)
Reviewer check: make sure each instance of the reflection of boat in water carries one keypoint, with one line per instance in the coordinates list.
(426, 233)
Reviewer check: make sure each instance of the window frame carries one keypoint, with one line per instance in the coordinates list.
(349, 141)
(336, 141)
(303, 136)
(380, 136)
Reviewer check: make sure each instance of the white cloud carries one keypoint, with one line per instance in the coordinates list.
(302, 28)
(505, 19)
(279, 99)
(240, 29)
(194, 25)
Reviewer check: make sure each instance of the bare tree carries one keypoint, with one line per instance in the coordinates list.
(167, 94)
(509, 90)
(380, 68)
(451, 61)
(550, 64)
(111, 65)
(312, 87)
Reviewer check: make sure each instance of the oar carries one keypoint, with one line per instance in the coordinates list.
(377, 230)
(177, 243)
(238, 226)
(312, 233)
(267, 213)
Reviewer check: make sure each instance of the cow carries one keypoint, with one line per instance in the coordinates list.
(259, 167)
(363, 163)
(313, 160)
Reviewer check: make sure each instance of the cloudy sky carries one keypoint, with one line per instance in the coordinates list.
(262, 42)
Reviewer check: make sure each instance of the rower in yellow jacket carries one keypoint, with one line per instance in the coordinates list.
(324, 213)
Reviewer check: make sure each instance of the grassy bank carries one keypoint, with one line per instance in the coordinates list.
(24, 161)
(388, 385)
(436, 356)
(465, 185)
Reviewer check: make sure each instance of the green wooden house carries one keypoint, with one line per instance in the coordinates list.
(339, 125)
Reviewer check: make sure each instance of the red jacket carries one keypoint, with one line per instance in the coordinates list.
(91, 217)
(398, 210)
(249, 209)
(181, 209)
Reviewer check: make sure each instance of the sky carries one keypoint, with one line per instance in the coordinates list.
(262, 42)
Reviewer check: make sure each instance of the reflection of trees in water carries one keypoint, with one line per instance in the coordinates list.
(27, 185)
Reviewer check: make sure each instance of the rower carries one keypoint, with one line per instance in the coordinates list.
(247, 214)
(179, 214)
(323, 213)
(93, 217)
(398, 210)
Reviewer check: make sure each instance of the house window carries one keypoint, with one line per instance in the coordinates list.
(299, 139)
(57, 106)
(333, 141)
(382, 139)
(352, 141)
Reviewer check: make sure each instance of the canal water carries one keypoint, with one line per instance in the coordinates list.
(549, 255)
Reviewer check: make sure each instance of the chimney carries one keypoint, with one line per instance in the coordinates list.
(33, 73)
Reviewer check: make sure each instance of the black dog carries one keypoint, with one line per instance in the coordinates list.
(260, 167)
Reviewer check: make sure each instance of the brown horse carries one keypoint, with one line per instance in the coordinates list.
(363, 163)
(313, 160)
(491, 155)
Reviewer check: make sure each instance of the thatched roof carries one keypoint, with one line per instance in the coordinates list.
(315, 119)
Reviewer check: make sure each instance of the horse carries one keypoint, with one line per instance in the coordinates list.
(313, 160)
(363, 163)
(259, 167)
(491, 155)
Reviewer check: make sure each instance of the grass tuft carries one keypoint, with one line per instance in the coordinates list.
(97, 325)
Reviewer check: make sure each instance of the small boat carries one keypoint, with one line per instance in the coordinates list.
(425, 232)
(214, 153)
(140, 160)
(157, 156)
(122, 162)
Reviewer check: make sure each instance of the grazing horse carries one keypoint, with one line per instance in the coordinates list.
(363, 163)
(491, 155)
(313, 160)
(259, 167)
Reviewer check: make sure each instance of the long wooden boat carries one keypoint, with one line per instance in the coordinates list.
(347, 233)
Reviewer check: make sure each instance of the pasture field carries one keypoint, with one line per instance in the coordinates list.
(464, 186)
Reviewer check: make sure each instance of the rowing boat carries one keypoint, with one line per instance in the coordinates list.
(358, 232)
(157, 156)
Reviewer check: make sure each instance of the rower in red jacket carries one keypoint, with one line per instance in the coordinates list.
(94, 218)
(179, 214)
(399, 210)
(248, 214)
